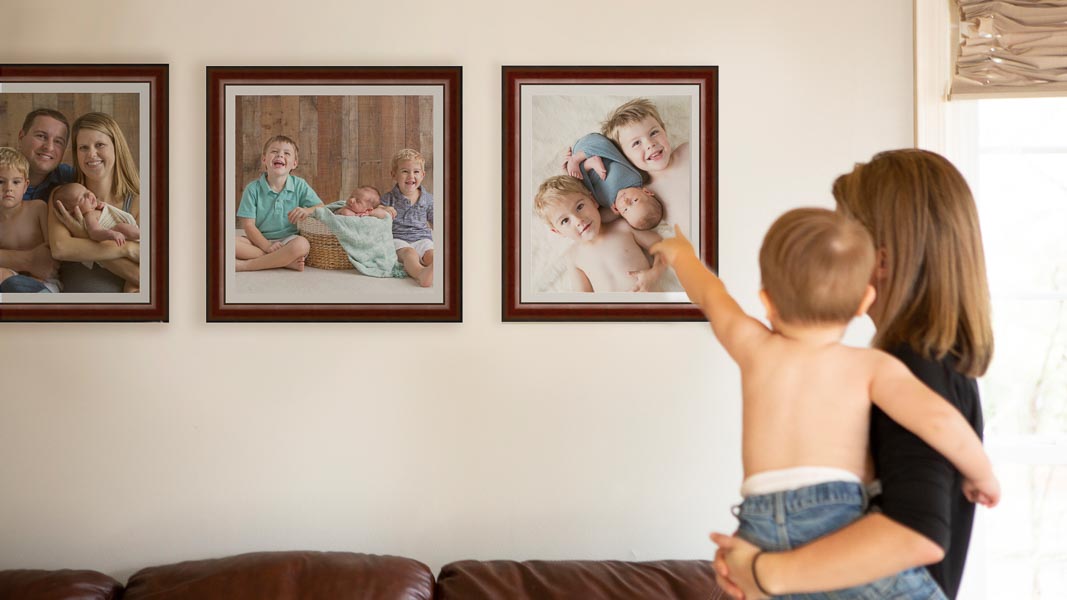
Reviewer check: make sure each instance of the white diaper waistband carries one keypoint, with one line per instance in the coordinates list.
(782, 480)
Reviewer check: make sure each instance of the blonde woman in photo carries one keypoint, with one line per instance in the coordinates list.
(103, 164)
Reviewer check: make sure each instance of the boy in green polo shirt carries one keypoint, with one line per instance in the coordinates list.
(270, 208)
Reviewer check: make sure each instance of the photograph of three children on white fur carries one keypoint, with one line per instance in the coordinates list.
(369, 156)
(612, 177)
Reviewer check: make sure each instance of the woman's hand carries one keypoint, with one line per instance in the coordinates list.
(733, 567)
(76, 226)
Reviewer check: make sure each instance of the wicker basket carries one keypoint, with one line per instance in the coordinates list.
(326, 251)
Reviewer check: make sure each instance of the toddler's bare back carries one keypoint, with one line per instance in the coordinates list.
(807, 406)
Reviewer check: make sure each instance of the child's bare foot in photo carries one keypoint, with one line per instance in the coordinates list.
(425, 276)
(297, 265)
(596, 165)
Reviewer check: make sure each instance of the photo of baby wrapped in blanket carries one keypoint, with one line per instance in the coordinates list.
(611, 175)
(333, 199)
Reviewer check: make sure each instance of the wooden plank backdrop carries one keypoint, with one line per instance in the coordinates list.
(345, 141)
(122, 107)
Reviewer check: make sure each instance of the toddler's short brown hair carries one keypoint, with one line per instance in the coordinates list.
(815, 265)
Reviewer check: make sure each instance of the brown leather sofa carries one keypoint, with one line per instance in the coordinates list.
(346, 575)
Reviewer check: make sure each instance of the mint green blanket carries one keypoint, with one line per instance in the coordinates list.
(368, 241)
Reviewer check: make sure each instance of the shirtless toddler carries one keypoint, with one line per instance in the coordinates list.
(807, 398)
(23, 225)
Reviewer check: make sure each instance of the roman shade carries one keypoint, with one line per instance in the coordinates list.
(1011, 48)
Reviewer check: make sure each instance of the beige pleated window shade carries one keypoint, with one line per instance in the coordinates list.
(1011, 48)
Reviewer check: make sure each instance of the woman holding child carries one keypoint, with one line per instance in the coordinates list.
(931, 312)
(103, 164)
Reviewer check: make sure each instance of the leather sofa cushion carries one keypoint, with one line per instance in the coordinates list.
(285, 576)
(26, 584)
(578, 580)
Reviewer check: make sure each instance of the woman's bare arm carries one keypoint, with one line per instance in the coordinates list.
(124, 268)
(873, 547)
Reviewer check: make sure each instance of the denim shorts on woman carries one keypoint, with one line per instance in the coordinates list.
(785, 520)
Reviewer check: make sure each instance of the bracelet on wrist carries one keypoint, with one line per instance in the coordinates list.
(755, 578)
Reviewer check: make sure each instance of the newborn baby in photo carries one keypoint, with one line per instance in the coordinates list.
(365, 201)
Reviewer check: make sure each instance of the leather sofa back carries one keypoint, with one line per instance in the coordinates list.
(578, 580)
(286, 576)
(20, 584)
(344, 575)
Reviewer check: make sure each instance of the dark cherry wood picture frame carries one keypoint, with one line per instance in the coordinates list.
(448, 79)
(151, 304)
(515, 219)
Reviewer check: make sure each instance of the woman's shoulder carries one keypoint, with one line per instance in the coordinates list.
(941, 375)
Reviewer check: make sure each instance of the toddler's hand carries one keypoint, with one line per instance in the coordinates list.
(390, 210)
(671, 248)
(118, 237)
(985, 491)
(274, 247)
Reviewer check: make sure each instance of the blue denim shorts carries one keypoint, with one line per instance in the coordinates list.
(785, 520)
(21, 284)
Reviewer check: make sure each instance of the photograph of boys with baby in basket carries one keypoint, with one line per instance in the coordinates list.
(333, 194)
(600, 164)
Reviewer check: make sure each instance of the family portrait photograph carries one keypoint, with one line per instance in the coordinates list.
(83, 177)
(600, 165)
(333, 194)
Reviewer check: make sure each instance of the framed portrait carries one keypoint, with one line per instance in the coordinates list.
(83, 217)
(599, 164)
(333, 194)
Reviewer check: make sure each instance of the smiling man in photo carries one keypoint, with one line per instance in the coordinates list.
(43, 140)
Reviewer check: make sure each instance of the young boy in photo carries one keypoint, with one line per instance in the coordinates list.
(270, 208)
(413, 223)
(638, 130)
(605, 257)
(23, 225)
(807, 398)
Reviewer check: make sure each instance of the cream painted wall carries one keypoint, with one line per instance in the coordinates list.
(480, 440)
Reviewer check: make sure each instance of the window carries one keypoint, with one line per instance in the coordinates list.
(1014, 155)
